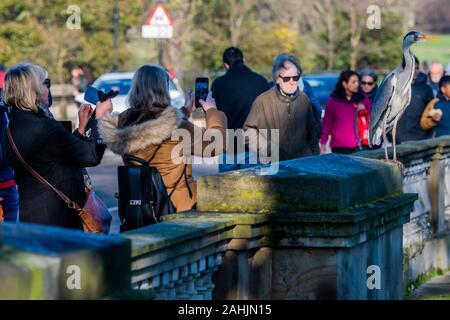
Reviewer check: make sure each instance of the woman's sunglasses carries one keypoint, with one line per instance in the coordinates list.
(287, 79)
(47, 83)
(367, 83)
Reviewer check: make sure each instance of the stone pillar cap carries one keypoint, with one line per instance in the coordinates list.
(322, 183)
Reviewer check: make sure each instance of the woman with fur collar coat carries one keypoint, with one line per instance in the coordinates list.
(145, 130)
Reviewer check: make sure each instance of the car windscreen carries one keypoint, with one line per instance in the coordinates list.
(321, 84)
(123, 85)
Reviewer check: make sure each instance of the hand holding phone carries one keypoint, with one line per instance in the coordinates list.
(209, 103)
(103, 108)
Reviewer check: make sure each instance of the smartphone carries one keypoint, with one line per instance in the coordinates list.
(91, 95)
(201, 90)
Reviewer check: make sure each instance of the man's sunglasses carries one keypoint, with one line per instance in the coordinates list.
(368, 83)
(287, 79)
(47, 83)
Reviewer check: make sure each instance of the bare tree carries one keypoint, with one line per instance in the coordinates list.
(183, 12)
(357, 14)
(239, 10)
(322, 15)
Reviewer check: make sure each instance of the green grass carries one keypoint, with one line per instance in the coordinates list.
(434, 50)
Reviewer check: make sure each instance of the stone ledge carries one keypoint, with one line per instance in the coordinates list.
(165, 235)
(26, 275)
(323, 183)
(411, 150)
(43, 254)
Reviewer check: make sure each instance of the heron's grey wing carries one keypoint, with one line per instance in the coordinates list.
(382, 100)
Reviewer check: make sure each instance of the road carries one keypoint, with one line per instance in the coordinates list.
(104, 180)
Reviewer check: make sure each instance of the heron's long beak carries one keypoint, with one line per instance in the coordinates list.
(431, 38)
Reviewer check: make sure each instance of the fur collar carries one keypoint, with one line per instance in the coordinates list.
(138, 137)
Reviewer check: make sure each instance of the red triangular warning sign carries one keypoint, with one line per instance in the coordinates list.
(159, 17)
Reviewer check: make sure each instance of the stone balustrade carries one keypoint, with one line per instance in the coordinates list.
(309, 232)
(426, 237)
(314, 230)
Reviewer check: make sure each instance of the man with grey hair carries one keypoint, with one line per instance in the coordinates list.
(434, 76)
(286, 109)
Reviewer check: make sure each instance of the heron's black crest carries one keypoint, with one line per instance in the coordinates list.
(411, 33)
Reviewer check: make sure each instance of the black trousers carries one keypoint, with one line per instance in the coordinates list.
(344, 150)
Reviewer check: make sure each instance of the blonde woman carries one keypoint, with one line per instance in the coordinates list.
(48, 147)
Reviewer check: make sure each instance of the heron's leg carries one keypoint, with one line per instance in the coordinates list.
(394, 141)
(394, 135)
(386, 156)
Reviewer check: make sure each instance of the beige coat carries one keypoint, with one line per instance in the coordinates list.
(142, 140)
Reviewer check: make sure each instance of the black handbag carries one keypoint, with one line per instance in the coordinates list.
(143, 197)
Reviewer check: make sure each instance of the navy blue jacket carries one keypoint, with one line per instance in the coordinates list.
(443, 127)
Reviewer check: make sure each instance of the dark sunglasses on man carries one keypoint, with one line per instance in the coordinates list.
(47, 83)
(367, 83)
(287, 79)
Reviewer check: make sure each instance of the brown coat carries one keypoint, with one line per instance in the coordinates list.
(293, 116)
(142, 140)
(427, 122)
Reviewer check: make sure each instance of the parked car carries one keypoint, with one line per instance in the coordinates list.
(122, 81)
(322, 85)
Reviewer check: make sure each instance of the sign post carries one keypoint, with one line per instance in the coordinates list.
(159, 25)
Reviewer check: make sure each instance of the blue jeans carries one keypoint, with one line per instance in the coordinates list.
(240, 161)
(10, 204)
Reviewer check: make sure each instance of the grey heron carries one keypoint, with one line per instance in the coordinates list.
(394, 95)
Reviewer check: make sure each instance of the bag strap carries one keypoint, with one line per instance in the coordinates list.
(129, 157)
(71, 204)
(355, 126)
(179, 179)
(154, 154)
(144, 162)
(141, 161)
(183, 174)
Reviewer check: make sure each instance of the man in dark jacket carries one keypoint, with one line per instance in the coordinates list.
(306, 88)
(409, 124)
(285, 109)
(234, 93)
